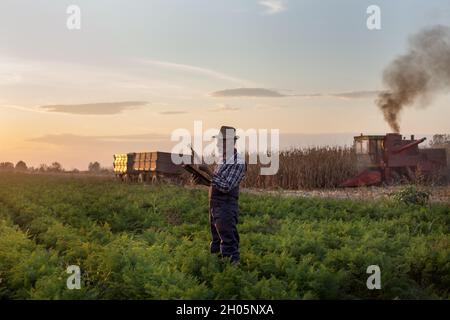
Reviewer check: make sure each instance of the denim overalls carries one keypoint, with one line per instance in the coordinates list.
(223, 218)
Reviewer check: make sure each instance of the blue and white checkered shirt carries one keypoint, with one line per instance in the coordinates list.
(229, 175)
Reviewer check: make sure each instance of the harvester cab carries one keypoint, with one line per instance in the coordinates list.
(369, 151)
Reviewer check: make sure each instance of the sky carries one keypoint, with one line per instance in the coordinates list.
(138, 70)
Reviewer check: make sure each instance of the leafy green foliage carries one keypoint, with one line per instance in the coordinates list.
(412, 195)
(149, 242)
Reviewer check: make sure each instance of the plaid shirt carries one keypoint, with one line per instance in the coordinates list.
(228, 175)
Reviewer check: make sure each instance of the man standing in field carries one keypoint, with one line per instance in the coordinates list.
(224, 195)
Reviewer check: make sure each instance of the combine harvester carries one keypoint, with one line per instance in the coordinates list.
(391, 158)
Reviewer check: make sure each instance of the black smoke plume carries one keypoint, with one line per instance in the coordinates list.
(417, 76)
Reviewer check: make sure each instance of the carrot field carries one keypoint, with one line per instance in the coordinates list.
(151, 242)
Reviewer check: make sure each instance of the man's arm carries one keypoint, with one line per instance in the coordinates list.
(232, 179)
(206, 169)
(200, 177)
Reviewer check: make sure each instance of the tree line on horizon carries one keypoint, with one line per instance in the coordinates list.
(54, 167)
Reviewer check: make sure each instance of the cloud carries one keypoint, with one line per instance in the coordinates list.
(195, 70)
(173, 112)
(247, 92)
(20, 108)
(356, 94)
(343, 95)
(273, 6)
(104, 108)
(28, 79)
(84, 140)
(270, 93)
(225, 107)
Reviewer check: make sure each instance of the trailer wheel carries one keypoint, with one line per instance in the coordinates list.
(141, 178)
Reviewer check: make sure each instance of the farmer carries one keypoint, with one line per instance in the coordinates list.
(224, 194)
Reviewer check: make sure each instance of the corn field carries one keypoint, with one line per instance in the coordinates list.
(307, 168)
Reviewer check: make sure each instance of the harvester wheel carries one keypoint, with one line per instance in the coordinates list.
(396, 178)
(411, 174)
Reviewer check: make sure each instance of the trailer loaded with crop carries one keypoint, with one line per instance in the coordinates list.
(391, 158)
(148, 166)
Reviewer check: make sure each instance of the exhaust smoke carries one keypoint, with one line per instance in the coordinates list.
(417, 76)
